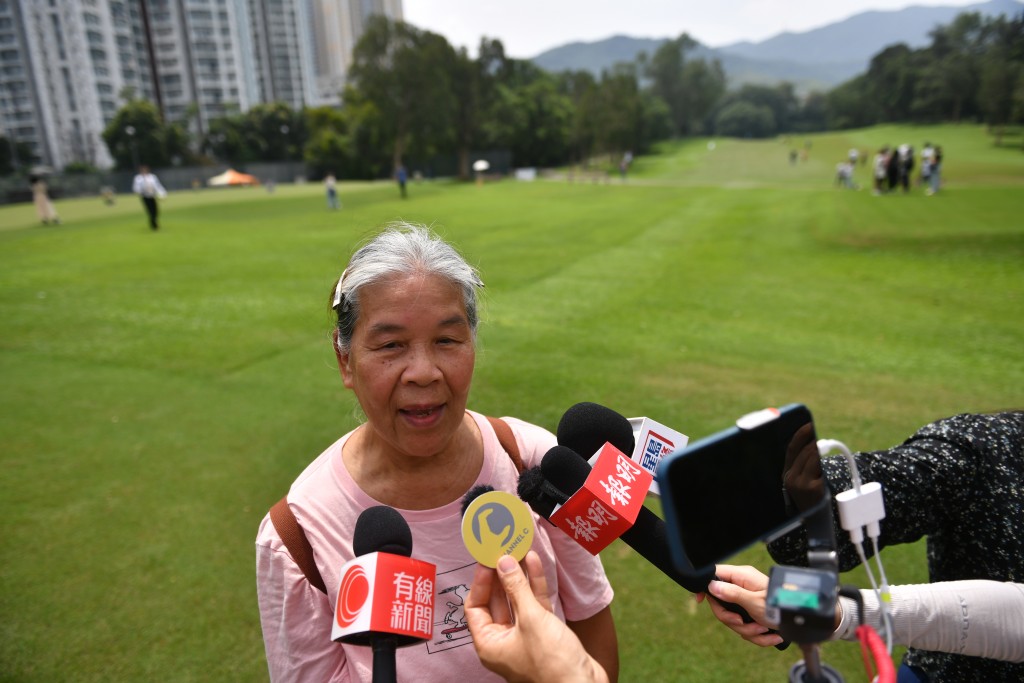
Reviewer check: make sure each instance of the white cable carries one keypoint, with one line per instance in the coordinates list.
(826, 446)
(885, 596)
(886, 620)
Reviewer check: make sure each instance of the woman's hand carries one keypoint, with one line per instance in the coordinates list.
(515, 632)
(747, 587)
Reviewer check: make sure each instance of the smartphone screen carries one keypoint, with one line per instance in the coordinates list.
(724, 493)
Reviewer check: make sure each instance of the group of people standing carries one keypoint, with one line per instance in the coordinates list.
(893, 168)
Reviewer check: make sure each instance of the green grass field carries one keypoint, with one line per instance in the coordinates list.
(161, 391)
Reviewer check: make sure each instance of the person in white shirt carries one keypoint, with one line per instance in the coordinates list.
(148, 186)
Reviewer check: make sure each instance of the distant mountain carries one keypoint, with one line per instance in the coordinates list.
(817, 59)
(864, 35)
(594, 57)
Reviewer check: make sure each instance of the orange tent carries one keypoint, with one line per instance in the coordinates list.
(232, 177)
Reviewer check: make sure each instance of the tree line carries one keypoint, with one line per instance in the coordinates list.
(414, 99)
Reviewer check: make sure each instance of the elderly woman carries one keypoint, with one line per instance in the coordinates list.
(406, 309)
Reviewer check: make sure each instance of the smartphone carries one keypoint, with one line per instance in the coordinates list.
(723, 493)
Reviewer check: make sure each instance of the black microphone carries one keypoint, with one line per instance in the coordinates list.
(381, 529)
(565, 471)
(588, 426)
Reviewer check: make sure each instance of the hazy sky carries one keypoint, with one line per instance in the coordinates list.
(528, 27)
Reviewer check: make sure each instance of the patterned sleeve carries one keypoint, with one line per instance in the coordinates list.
(926, 481)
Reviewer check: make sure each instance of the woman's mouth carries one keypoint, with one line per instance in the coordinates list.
(423, 416)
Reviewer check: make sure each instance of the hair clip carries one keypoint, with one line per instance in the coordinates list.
(337, 290)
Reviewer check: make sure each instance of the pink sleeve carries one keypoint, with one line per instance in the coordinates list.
(295, 617)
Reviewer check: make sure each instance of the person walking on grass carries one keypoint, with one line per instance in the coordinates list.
(935, 176)
(41, 197)
(148, 187)
(331, 185)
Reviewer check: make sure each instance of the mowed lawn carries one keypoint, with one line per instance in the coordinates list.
(161, 390)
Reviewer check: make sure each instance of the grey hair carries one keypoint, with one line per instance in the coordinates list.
(401, 248)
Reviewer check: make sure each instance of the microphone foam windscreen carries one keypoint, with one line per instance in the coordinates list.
(534, 490)
(381, 529)
(565, 469)
(586, 427)
(473, 494)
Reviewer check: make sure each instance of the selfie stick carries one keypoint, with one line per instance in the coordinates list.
(821, 555)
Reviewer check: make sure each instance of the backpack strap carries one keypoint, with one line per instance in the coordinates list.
(508, 441)
(294, 539)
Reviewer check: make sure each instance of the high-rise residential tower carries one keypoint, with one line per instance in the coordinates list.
(67, 66)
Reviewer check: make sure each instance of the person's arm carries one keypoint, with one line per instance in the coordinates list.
(600, 640)
(160, 191)
(516, 634)
(921, 480)
(296, 618)
(976, 618)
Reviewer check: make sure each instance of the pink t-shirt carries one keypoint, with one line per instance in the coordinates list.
(326, 501)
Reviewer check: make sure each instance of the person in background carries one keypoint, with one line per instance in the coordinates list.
(906, 166)
(41, 197)
(107, 193)
(331, 185)
(844, 175)
(880, 169)
(956, 482)
(935, 177)
(402, 176)
(148, 187)
(406, 317)
(927, 158)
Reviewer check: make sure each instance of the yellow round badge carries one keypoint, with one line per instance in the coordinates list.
(495, 524)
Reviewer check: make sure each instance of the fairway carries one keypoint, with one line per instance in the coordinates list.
(162, 390)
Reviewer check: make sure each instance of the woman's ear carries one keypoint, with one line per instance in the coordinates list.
(343, 359)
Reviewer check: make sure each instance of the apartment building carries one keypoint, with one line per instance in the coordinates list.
(66, 66)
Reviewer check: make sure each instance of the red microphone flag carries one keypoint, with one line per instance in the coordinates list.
(385, 593)
(608, 502)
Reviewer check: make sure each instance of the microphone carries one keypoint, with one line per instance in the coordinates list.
(588, 426)
(385, 598)
(564, 470)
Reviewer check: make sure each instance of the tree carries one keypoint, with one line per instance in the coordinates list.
(270, 128)
(812, 115)
(14, 155)
(406, 74)
(580, 87)
(891, 78)
(665, 71)
(136, 135)
(704, 85)
(745, 120)
(850, 105)
(780, 100)
(619, 119)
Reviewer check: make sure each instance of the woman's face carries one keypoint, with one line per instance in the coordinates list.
(410, 362)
